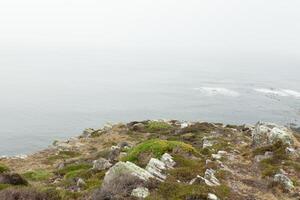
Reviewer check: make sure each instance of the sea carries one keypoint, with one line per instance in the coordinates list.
(55, 94)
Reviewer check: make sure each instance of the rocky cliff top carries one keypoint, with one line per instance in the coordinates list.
(161, 160)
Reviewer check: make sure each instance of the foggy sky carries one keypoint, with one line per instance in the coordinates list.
(221, 27)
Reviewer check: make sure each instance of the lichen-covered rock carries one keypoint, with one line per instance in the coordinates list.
(284, 181)
(207, 143)
(122, 168)
(270, 133)
(114, 153)
(210, 175)
(267, 155)
(101, 164)
(140, 192)
(208, 179)
(138, 127)
(211, 196)
(168, 160)
(156, 168)
(87, 132)
(80, 182)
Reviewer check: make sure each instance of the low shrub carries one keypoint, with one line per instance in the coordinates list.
(157, 126)
(25, 193)
(37, 175)
(118, 189)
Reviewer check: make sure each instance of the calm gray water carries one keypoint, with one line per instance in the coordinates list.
(54, 94)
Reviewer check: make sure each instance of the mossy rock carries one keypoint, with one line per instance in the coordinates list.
(157, 126)
(37, 175)
(157, 148)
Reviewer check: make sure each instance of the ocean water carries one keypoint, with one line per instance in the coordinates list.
(48, 95)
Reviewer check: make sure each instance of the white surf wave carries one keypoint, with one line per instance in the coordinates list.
(212, 91)
(279, 92)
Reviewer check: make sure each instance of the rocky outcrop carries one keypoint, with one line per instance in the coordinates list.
(167, 159)
(284, 181)
(208, 179)
(211, 196)
(140, 192)
(270, 133)
(101, 164)
(157, 167)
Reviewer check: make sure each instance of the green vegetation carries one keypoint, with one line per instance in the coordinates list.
(156, 126)
(271, 166)
(37, 175)
(63, 155)
(94, 181)
(73, 170)
(4, 186)
(179, 191)
(186, 169)
(3, 168)
(157, 148)
(203, 127)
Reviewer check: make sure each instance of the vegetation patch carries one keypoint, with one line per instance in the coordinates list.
(74, 170)
(179, 191)
(3, 168)
(271, 166)
(203, 127)
(63, 155)
(157, 126)
(4, 186)
(157, 148)
(37, 175)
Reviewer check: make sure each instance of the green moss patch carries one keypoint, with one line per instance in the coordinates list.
(3, 168)
(74, 170)
(157, 126)
(37, 175)
(4, 186)
(157, 148)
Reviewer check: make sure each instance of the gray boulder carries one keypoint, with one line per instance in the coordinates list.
(270, 133)
(211, 196)
(157, 168)
(101, 164)
(168, 160)
(130, 168)
(140, 192)
(284, 181)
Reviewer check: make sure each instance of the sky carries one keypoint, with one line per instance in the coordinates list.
(208, 26)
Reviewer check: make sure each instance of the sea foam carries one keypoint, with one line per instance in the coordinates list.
(279, 92)
(212, 91)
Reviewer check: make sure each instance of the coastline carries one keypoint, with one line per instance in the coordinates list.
(223, 148)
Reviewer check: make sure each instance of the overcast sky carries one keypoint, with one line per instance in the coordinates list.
(225, 26)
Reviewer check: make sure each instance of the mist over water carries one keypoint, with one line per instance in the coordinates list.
(68, 65)
(57, 95)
